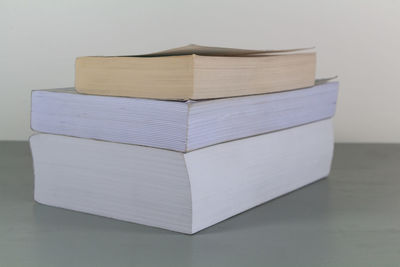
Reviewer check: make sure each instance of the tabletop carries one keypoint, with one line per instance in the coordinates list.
(352, 218)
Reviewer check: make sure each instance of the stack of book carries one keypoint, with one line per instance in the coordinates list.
(184, 138)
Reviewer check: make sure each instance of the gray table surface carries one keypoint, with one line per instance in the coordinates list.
(350, 219)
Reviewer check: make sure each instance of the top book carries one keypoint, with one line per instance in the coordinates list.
(196, 72)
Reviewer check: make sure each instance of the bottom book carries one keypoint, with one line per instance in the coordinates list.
(183, 192)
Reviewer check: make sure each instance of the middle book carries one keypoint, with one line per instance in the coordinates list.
(178, 125)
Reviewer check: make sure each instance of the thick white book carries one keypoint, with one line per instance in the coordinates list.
(183, 192)
(175, 125)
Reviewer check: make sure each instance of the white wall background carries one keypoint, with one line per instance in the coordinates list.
(357, 40)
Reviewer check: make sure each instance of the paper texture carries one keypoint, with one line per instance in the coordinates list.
(179, 126)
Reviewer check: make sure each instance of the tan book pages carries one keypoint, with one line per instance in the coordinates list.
(196, 72)
(155, 77)
(234, 76)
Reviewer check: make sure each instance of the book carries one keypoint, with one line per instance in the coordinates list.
(183, 192)
(177, 125)
(196, 72)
